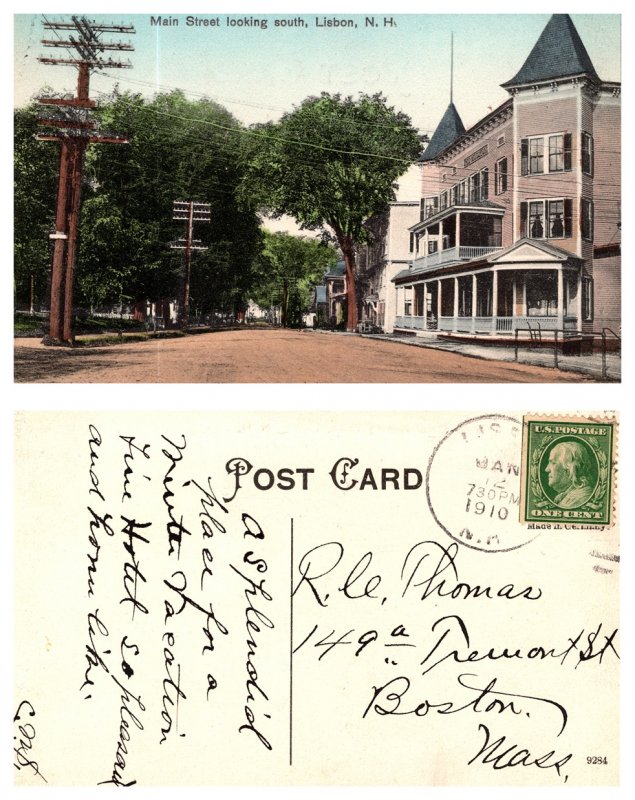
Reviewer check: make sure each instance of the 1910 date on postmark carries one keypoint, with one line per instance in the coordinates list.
(568, 465)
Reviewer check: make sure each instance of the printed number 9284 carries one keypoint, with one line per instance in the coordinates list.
(596, 760)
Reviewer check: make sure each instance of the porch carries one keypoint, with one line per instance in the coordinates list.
(493, 302)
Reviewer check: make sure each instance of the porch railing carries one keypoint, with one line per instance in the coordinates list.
(485, 324)
(461, 253)
(410, 323)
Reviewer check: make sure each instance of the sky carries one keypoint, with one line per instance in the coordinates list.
(259, 73)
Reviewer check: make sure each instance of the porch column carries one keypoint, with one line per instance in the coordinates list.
(524, 294)
(455, 321)
(439, 298)
(458, 233)
(494, 299)
(578, 305)
(425, 306)
(560, 273)
(440, 236)
(514, 297)
(474, 290)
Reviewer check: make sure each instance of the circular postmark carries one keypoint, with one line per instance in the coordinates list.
(473, 484)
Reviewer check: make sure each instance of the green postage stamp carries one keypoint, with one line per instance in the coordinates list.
(568, 467)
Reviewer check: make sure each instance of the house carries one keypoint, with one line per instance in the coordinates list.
(519, 217)
(335, 282)
(388, 253)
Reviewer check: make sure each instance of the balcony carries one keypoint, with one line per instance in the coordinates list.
(450, 255)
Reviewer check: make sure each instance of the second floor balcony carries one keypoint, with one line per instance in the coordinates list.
(450, 255)
(456, 236)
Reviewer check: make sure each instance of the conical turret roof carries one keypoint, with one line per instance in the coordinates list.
(558, 53)
(447, 132)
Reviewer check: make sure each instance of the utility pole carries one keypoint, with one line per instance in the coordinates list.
(75, 130)
(189, 212)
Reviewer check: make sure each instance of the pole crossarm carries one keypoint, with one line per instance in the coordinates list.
(75, 131)
(71, 102)
(83, 21)
(90, 138)
(74, 43)
(91, 62)
(188, 211)
(181, 244)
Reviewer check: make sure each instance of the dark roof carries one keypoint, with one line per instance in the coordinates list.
(447, 132)
(411, 275)
(338, 270)
(558, 53)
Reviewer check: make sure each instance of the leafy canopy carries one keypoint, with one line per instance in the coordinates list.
(333, 160)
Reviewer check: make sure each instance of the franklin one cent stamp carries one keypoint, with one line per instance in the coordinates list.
(568, 466)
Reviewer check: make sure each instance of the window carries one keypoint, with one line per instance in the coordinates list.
(500, 176)
(557, 155)
(475, 188)
(587, 298)
(484, 184)
(555, 211)
(586, 219)
(560, 152)
(541, 293)
(472, 190)
(433, 246)
(546, 219)
(430, 206)
(412, 242)
(586, 150)
(443, 200)
(536, 156)
(537, 220)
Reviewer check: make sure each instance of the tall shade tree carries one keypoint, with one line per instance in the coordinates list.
(290, 265)
(179, 149)
(35, 182)
(332, 162)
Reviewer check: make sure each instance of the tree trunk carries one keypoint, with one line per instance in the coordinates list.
(285, 304)
(348, 249)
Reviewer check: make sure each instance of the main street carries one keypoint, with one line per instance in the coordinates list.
(265, 356)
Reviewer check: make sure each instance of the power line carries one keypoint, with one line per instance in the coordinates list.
(74, 130)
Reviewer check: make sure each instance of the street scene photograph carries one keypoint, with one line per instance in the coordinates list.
(317, 198)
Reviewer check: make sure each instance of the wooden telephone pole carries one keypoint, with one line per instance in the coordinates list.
(188, 212)
(75, 130)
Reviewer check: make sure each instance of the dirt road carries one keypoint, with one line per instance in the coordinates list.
(265, 356)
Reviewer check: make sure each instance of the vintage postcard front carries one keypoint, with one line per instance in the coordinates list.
(307, 599)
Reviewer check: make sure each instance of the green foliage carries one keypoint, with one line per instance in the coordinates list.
(288, 269)
(178, 149)
(35, 181)
(332, 161)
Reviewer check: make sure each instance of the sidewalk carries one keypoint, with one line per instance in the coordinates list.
(590, 365)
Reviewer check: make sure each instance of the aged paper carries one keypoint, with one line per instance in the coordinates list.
(305, 599)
